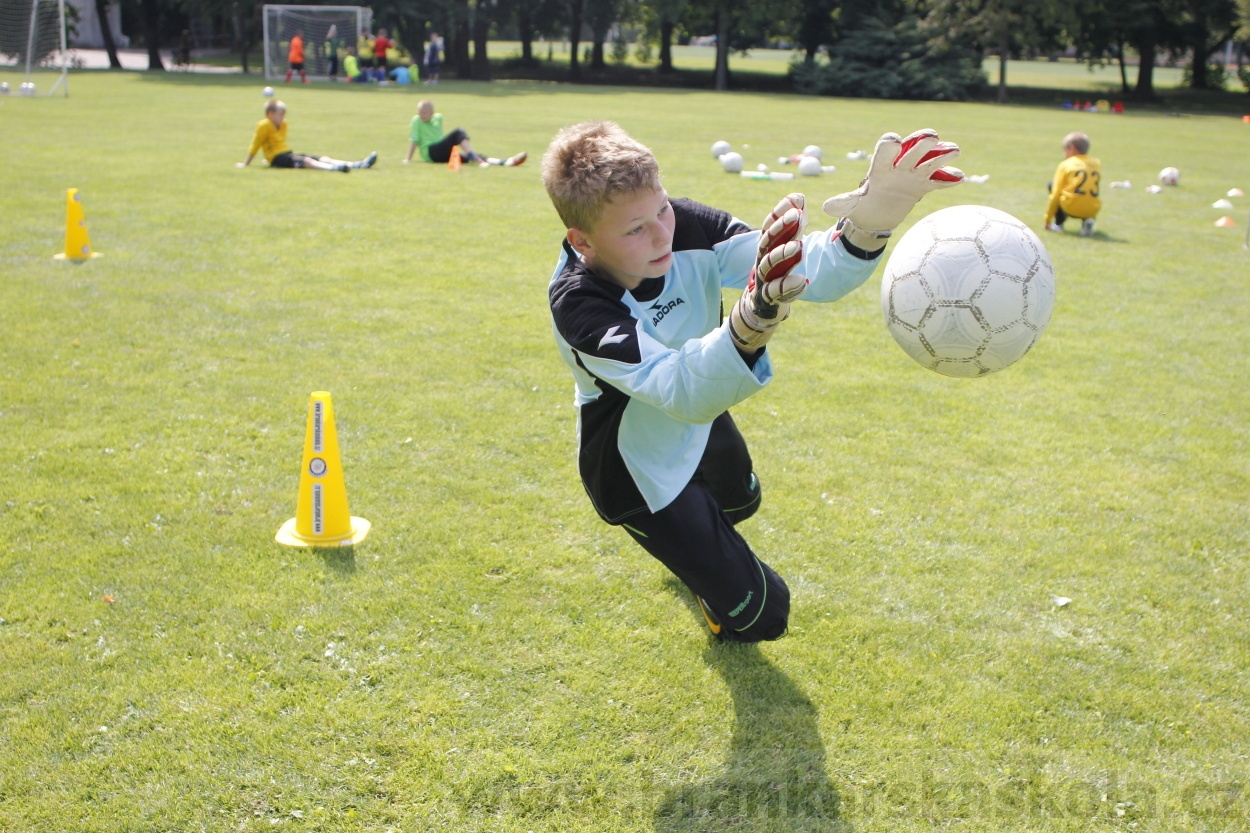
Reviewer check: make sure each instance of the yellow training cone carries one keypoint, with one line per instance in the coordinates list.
(77, 244)
(321, 517)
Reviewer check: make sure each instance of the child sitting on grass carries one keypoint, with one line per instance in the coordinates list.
(270, 139)
(426, 133)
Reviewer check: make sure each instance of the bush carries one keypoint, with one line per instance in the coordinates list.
(884, 60)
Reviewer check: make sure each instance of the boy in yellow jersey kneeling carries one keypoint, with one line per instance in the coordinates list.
(1075, 188)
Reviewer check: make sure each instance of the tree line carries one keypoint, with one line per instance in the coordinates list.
(888, 49)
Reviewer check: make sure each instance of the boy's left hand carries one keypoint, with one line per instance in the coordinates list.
(902, 171)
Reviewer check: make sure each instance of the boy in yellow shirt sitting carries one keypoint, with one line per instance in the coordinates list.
(270, 139)
(1074, 190)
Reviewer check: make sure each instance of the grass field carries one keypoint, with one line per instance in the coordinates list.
(494, 658)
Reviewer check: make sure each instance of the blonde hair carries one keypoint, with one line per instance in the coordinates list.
(275, 104)
(588, 164)
(1078, 142)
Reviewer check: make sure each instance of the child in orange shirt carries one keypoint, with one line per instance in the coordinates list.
(296, 57)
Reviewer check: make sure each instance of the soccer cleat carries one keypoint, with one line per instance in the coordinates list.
(1087, 227)
(713, 623)
(513, 161)
(1054, 227)
(345, 168)
(370, 160)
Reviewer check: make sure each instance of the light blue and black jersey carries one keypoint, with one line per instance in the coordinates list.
(654, 366)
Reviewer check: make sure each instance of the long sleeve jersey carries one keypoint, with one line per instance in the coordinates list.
(653, 366)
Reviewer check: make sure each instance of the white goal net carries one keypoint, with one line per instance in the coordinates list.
(312, 23)
(32, 47)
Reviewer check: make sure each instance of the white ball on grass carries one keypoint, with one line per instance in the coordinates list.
(731, 162)
(1170, 176)
(809, 166)
(719, 149)
(812, 150)
(4, 87)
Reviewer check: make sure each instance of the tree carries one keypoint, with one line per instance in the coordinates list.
(1006, 27)
(102, 12)
(575, 39)
(1206, 24)
(816, 25)
(150, 15)
(600, 15)
(661, 16)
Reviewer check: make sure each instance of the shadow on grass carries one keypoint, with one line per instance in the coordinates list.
(340, 560)
(774, 778)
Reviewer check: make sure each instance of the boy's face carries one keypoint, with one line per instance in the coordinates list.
(632, 240)
(276, 116)
(426, 112)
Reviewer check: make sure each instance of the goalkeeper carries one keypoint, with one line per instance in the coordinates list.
(637, 314)
(270, 140)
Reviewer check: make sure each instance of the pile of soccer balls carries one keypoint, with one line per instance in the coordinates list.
(809, 161)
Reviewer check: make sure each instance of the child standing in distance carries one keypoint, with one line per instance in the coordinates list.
(637, 316)
(1074, 190)
(296, 56)
(433, 58)
(426, 132)
(380, 44)
(333, 45)
(351, 67)
(270, 139)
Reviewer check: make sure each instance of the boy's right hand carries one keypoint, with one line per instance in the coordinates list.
(765, 302)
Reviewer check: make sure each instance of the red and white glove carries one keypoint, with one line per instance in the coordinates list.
(902, 171)
(765, 302)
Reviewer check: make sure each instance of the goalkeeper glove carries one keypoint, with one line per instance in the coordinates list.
(765, 302)
(902, 171)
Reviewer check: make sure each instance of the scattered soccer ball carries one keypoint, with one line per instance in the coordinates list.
(4, 87)
(27, 88)
(731, 162)
(968, 291)
(812, 150)
(1170, 176)
(267, 92)
(809, 166)
(719, 149)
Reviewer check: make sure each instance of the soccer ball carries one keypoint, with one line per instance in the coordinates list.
(720, 149)
(968, 291)
(1170, 176)
(809, 166)
(27, 88)
(731, 162)
(812, 150)
(267, 92)
(4, 87)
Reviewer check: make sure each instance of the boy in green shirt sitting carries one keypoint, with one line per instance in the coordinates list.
(426, 132)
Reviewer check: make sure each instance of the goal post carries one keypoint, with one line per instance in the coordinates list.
(281, 23)
(33, 44)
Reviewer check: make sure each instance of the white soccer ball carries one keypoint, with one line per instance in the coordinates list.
(267, 92)
(809, 166)
(1170, 176)
(812, 150)
(4, 87)
(719, 149)
(968, 290)
(731, 162)
(27, 88)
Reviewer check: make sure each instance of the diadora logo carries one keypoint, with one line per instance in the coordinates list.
(662, 310)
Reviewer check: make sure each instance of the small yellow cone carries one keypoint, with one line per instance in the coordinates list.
(77, 244)
(321, 516)
(1225, 222)
(453, 161)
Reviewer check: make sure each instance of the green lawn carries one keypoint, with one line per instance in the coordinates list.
(494, 658)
